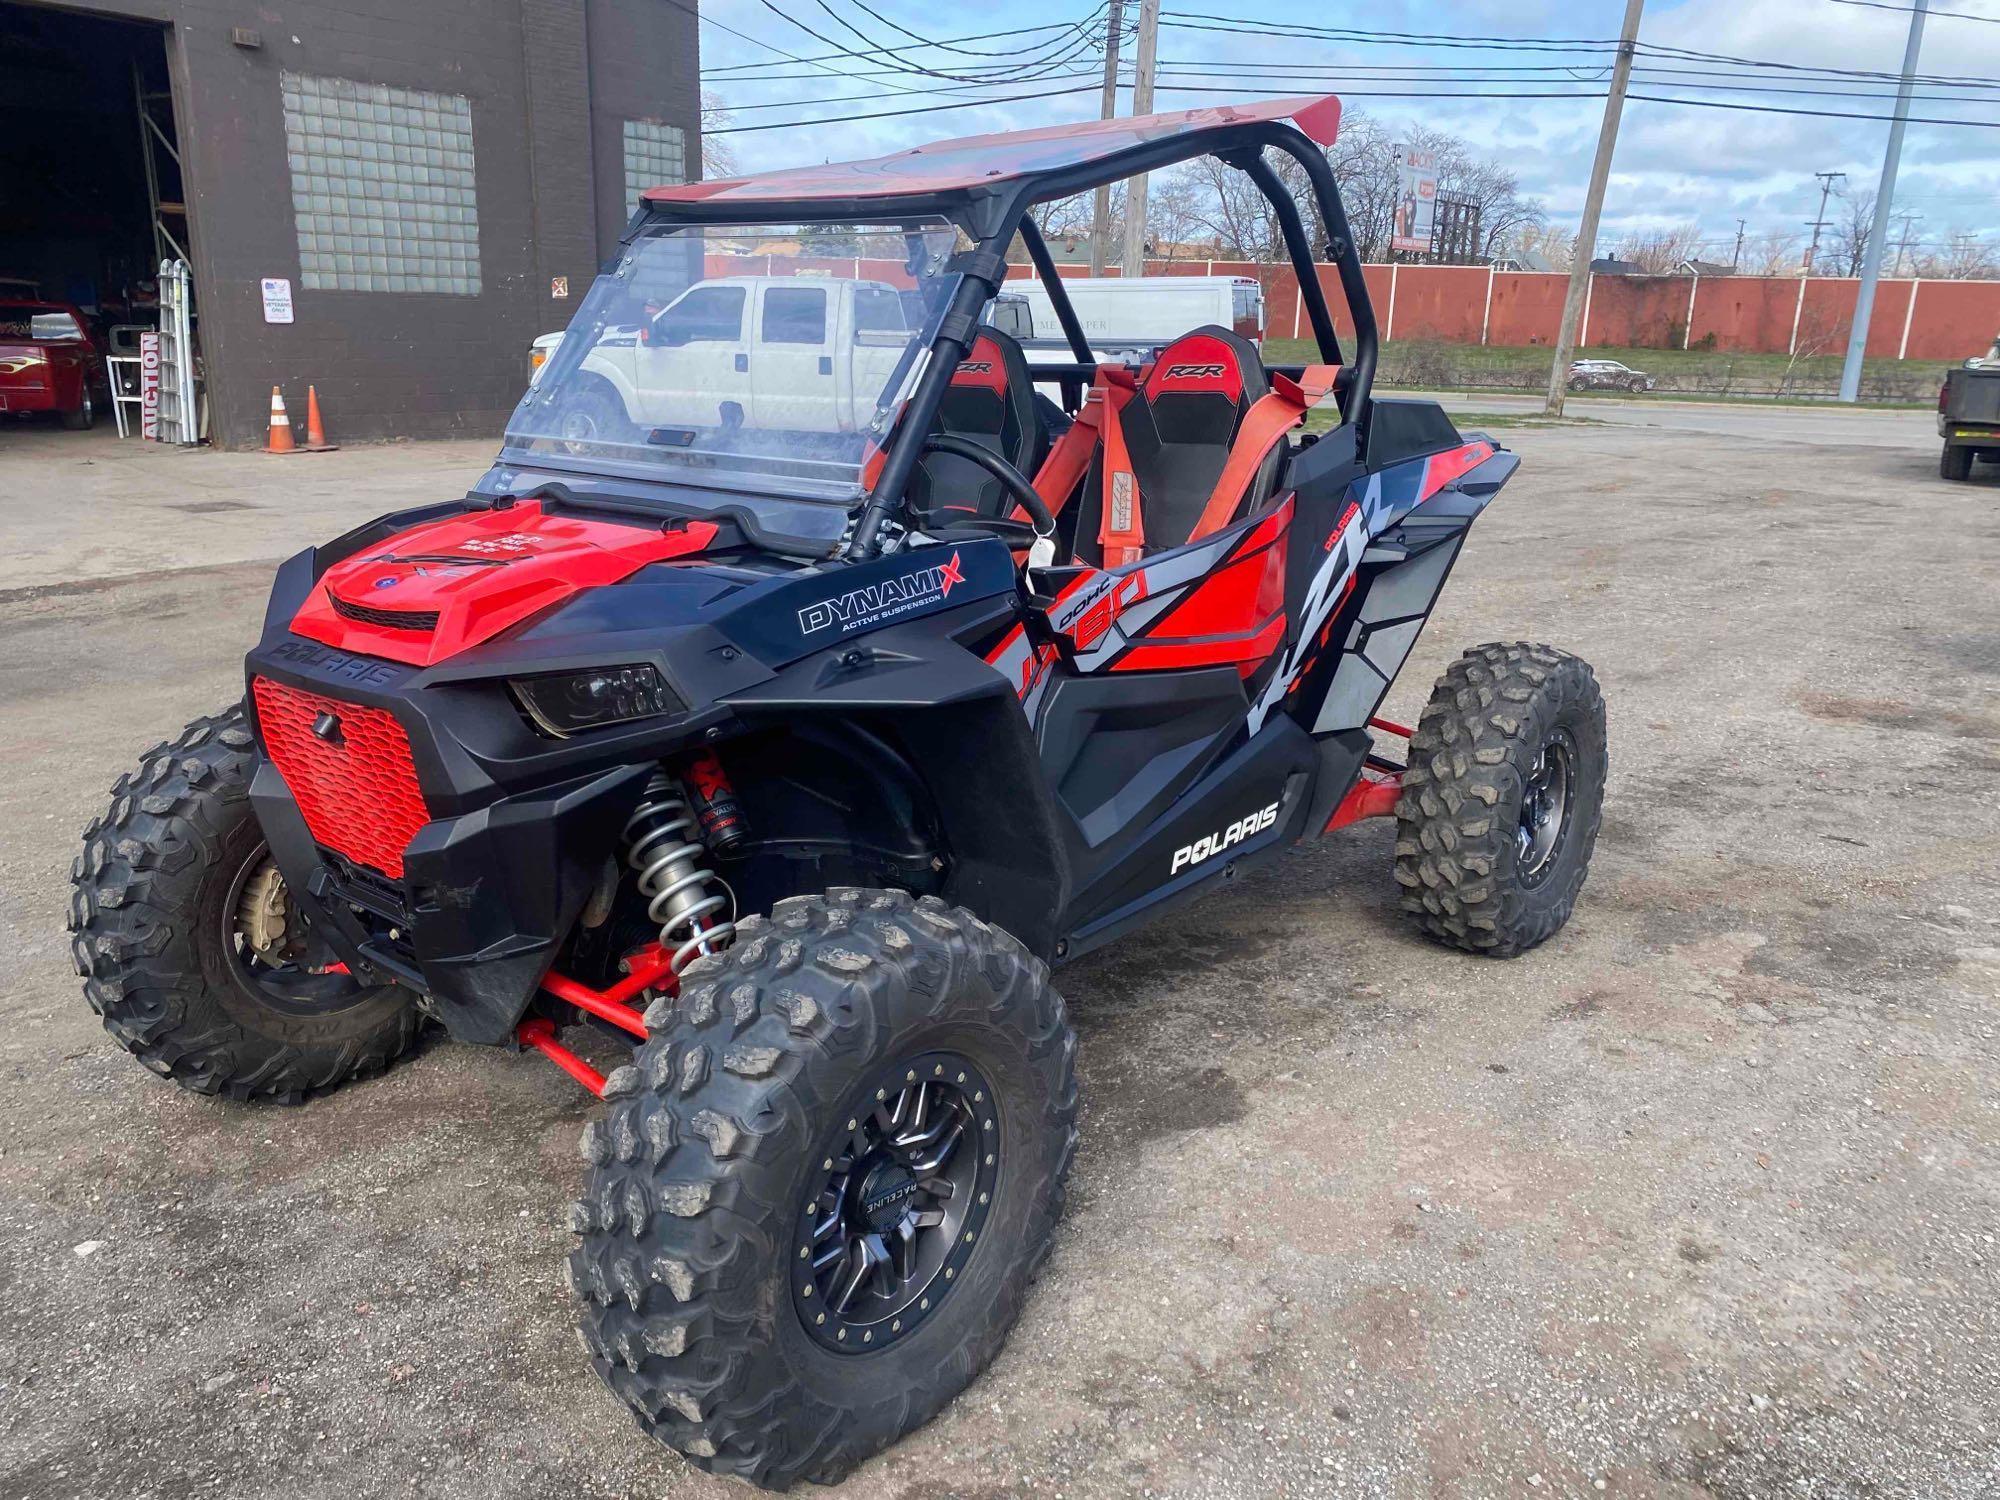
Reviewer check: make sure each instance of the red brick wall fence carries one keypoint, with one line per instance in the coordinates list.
(1914, 319)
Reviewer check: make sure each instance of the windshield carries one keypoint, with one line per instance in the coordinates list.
(759, 357)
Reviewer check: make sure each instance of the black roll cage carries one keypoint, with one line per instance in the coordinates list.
(992, 216)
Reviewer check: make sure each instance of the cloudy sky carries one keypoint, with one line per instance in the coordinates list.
(1675, 163)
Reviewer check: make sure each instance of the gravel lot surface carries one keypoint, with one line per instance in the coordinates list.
(1700, 1199)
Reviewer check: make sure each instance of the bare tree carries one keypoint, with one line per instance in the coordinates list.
(1228, 207)
(1775, 253)
(1658, 251)
(718, 157)
(1174, 220)
(1964, 256)
(1846, 244)
(1365, 160)
(1555, 246)
(1364, 164)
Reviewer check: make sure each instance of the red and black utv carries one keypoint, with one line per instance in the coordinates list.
(808, 676)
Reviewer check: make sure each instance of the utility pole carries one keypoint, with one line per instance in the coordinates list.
(1100, 218)
(1871, 265)
(1593, 208)
(1826, 182)
(1736, 257)
(1133, 262)
(1903, 245)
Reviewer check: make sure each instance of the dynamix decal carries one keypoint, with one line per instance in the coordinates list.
(881, 601)
(1214, 843)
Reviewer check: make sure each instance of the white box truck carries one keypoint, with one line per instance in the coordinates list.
(1119, 315)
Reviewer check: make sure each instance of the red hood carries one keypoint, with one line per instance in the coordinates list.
(428, 593)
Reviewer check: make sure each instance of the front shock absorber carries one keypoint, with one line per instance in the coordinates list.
(664, 846)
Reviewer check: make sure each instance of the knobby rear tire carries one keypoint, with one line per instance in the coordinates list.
(1457, 853)
(709, 1146)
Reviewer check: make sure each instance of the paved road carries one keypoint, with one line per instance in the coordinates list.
(1915, 431)
(1699, 1200)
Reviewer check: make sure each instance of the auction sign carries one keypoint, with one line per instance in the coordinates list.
(1416, 199)
(149, 385)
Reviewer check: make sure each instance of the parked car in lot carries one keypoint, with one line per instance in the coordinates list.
(50, 362)
(1607, 375)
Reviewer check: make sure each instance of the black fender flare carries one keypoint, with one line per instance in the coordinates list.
(960, 725)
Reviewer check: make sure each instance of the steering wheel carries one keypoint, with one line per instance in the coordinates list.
(1012, 480)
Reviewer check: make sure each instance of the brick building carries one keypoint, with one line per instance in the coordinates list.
(437, 181)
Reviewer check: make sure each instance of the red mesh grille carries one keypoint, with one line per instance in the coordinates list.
(358, 790)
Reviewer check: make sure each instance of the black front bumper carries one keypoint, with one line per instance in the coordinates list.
(485, 901)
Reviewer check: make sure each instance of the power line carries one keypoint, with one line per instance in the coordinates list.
(1955, 15)
(700, 19)
(1312, 73)
(847, 53)
(947, 88)
(1568, 70)
(1072, 35)
(888, 114)
(1023, 71)
(1250, 26)
(1817, 114)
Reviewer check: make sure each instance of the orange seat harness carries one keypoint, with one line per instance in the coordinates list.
(1121, 531)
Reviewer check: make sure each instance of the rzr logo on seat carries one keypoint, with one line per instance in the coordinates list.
(1214, 843)
(1194, 372)
(880, 601)
(976, 366)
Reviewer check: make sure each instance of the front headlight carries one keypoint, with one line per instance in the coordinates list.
(563, 703)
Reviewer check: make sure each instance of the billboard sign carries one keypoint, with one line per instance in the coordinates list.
(1416, 199)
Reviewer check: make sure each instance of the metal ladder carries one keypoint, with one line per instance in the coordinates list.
(181, 419)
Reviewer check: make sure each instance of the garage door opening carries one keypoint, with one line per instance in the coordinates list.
(91, 202)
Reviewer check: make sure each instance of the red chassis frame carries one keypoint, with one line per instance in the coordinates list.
(1372, 796)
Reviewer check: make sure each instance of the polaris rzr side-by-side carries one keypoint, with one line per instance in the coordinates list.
(808, 675)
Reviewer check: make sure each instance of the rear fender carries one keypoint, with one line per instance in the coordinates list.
(1416, 531)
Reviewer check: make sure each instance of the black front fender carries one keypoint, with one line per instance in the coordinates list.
(960, 725)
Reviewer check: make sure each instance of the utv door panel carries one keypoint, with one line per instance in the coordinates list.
(1249, 805)
(1118, 749)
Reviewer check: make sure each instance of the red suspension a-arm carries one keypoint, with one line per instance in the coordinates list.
(649, 969)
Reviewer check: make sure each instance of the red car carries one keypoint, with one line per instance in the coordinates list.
(50, 362)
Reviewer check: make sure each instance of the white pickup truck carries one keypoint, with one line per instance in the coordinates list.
(785, 353)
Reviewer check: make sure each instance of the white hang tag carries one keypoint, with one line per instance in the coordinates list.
(1042, 552)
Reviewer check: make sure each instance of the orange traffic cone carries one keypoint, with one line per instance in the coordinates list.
(281, 425)
(315, 429)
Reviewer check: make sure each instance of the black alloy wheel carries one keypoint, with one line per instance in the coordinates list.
(1543, 821)
(903, 1194)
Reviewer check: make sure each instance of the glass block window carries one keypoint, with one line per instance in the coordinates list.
(382, 187)
(655, 155)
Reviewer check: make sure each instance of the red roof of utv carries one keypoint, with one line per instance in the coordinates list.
(983, 160)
